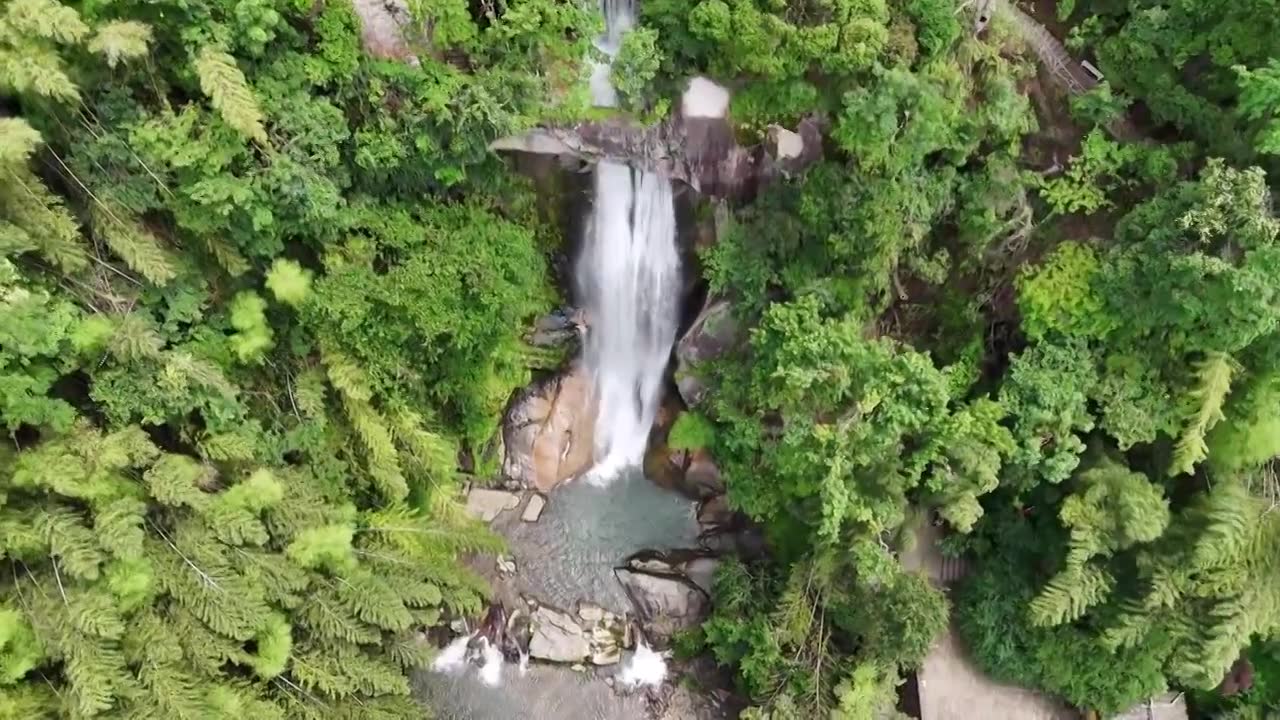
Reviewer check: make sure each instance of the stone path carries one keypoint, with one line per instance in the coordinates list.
(951, 686)
(1049, 50)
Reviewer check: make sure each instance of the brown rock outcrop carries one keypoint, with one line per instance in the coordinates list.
(548, 431)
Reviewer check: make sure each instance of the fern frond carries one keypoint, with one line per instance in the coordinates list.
(408, 650)
(309, 393)
(281, 580)
(14, 240)
(374, 600)
(1213, 383)
(41, 215)
(235, 526)
(383, 462)
(201, 372)
(1230, 517)
(134, 339)
(17, 140)
(225, 254)
(434, 453)
(121, 40)
(96, 671)
(38, 71)
(119, 527)
(227, 446)
(175, 481)
(230, 93)
(347, 376)
(344, 670)
(71, 542)
(138, 247)
(172, 692)
(96, 614)
(1128, 629)
(48, 19)
(1070, 594)
(329, 618)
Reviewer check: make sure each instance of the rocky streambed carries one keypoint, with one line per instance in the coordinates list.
(597, 579)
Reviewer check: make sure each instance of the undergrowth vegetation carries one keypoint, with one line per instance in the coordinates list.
(261, 297)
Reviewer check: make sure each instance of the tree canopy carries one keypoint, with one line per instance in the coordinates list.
(263, 295)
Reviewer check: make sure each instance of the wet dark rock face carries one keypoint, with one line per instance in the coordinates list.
(714, 333)
(701, 152)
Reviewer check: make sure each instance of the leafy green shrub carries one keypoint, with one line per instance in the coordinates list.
(215, 508)
(1090, 178)
(636, 66)
(1059, 295)
(1099, 106)
(691, 431)
(1065, 660)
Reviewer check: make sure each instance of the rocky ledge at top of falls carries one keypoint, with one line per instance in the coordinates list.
(694, 146)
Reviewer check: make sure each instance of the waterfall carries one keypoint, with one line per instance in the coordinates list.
(619, 16)
(628, 282)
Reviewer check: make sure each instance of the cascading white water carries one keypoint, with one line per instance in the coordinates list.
(491, 670)
(645, 668)
(453, 656)
(628, 278)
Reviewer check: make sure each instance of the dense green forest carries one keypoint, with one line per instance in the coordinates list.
(262, 300)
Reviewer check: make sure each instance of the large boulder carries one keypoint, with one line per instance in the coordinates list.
(702, 477)
(387, 30)
(713, 333)
(556, 330)
(701, 571)
(557, 637)
(715, 513)
(548, 432)
(692, 473)
(666, 602)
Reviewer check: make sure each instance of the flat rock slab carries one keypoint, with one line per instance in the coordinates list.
(558, 637)
(533, 510)
(485, 504)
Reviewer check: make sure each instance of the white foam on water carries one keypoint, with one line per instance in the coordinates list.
(453, 656)
(491, 671)
(645, 668)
